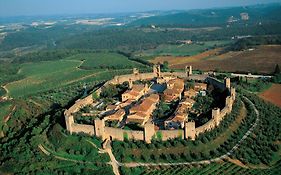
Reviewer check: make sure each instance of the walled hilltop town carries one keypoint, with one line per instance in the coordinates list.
(140, 100)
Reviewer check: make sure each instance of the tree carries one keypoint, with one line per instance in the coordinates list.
(165, 65)
(109, 91)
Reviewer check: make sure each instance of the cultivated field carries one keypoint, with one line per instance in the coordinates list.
(273, 94)
(263, 60)
(183, 49)
(104, 60)
(80, 68)
(213, 168)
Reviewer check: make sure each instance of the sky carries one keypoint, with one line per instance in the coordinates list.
(57, 7)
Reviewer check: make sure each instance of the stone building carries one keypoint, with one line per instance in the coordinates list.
(174, 90)
(135, 93)
(117, 116)
(142, 112)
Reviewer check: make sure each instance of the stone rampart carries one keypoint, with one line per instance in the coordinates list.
(80, 128)
(206, 127)
(171, 134)
(189, 131)
(121, 134)
(114, 133)
(134, 135)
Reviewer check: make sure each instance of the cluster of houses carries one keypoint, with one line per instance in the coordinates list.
(174, 90)
(142, 112)
(142, 104)
(186, 103)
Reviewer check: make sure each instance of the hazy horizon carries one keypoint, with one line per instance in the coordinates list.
(10, 8)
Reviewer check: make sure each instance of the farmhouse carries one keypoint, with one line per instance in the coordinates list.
(136, 92)
(174, 89)
(111, 107)
(142, 112)
(188, 102)
(177, 120)
(117, 116)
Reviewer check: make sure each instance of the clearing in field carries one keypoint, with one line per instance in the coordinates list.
(273, 94)
(262, 60)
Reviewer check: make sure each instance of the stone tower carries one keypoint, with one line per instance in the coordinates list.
(228, 103)
(116, 79)
(157, 70)
(130, 83)
(149, 132)
(216, 116)
(188, 70)
(227, 83)
(189, 130)
(99, 128)
(135, 71)
(69, 120)
(233, 93)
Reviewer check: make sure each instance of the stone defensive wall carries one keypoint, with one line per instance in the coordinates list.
(73, 127)
(145, 76)
(121, 134)
(188, 132)
(171, 134)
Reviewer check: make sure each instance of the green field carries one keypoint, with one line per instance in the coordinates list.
(213, 168)
(182, 50)
(47, 75)
(104, 60)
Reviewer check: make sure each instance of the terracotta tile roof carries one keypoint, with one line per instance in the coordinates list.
(134, 93)
(144, 106)
(175, 89)
(188, 100)
(177, 118)
(135, 120)
(138, 87)
(117, 115)
(190, 93)
(154, 97)
(111, 107)
(138, 117)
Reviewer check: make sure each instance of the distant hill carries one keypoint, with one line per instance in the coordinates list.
(218, 16)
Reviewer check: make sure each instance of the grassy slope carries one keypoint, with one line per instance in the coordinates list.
(47, 75)
(97, 60)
